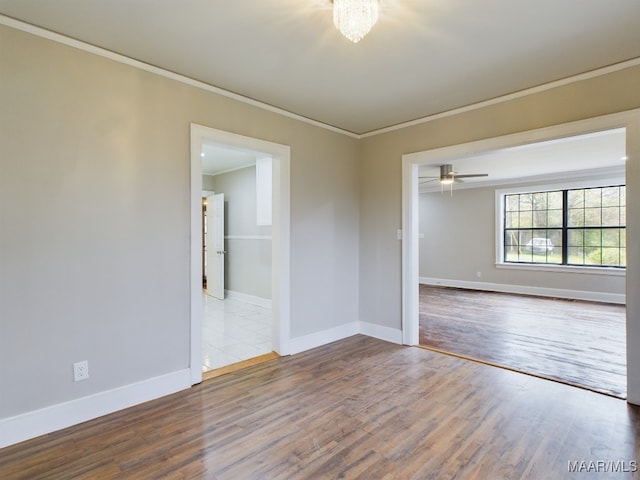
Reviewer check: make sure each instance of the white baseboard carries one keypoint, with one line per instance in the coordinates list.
(528, 290)
(56, 417)
(313, 340)
(392, 335)
(245, 297)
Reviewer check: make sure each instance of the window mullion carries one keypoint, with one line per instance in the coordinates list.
(565, 222)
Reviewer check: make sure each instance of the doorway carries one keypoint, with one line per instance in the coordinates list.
(279, 276)
(237, 320)
(410, 250)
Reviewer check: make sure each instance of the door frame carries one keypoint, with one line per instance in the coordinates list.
(280, 244)
(629, 120)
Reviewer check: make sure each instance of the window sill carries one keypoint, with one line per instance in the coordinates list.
(612, 271)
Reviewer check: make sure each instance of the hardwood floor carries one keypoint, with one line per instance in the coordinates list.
(579, 343)
(359, 408)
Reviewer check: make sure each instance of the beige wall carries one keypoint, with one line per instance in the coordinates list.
(95, 219)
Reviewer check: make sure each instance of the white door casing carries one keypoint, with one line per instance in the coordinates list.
(281, 275)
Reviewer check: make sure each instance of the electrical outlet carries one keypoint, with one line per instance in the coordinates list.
(80, 371)
(478, 274)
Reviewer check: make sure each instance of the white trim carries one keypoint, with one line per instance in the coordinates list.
(410, 260)
(528, 290)
(86, 47)
(56, 417)
(196, 310)
(246, 298)
(388, 334)
(248, 237)
(280, 245)
(318, 339)
(586, 270)
(70, 42)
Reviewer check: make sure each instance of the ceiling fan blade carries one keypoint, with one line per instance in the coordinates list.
(468, 175)
(457, 180)
(428, 177)
(427, 181)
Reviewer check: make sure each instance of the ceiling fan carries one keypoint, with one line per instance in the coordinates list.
(448, 176)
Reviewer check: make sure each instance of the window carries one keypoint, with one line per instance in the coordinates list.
(580, 227)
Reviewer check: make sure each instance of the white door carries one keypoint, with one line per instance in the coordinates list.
(215, 245)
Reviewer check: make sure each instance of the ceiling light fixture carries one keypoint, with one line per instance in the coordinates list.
(354, 18)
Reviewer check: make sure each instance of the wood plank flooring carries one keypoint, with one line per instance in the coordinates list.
(359, 408)
(579, 343)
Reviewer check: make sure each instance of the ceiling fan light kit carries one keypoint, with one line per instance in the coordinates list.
(355, 18)
(448, 176)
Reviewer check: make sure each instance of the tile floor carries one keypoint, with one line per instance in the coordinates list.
(233, 330)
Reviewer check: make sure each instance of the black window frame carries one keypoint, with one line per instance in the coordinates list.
(565, 228)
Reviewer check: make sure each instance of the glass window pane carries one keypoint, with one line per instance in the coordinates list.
(611, 216)
(539, 218)
(593, 257)
(611, 196)
(623, 257)
(555, 235)
(623, 217)
(592, 217)
(554, 218)
(511, 220)
(526, 201)
(510, 238)
(611, 238)
(512, 202)
(575, 238)
(526, 219)
(611, 256)
(554, 200)
(576, 218)
(623, 195)
(575, 198)
(593, 197)
(593, 238)
(539, 201)
(576, 255)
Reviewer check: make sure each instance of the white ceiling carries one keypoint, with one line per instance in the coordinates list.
(423, 57)
(600, 153)
(217, 159)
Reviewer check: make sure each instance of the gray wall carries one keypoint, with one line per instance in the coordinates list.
(460, 238)
(95, 219)
(248, 259)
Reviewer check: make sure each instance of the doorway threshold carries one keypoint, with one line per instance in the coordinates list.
(234, 367)
(525, 372)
